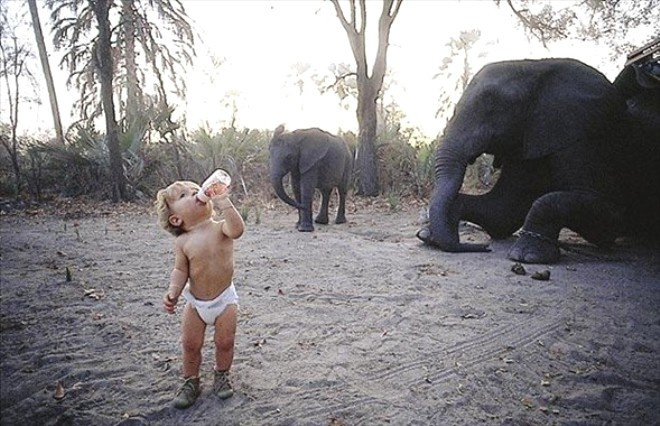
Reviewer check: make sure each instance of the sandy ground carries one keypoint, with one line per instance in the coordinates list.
(354, 324)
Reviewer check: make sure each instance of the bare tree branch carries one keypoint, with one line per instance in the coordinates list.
(338, 79)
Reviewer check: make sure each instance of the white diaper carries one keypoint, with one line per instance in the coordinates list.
(209, 310)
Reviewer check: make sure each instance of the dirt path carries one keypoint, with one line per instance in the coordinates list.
(352, 324)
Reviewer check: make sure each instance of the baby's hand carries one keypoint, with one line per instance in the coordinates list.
(169, 304)
(221, 194)
(216, 190)
(222, 201)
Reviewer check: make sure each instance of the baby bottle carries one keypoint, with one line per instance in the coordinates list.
(215, 184)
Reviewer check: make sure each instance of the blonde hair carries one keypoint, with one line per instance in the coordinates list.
(163, 198)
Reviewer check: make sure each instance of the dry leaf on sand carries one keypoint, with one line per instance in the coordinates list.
(59, 391)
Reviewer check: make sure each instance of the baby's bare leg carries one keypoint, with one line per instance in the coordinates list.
(192, 339)
(225, 333)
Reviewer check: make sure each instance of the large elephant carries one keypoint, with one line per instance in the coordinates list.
(315, 159)
(575, 151)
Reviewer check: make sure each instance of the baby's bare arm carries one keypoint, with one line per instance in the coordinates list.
(233, 225)
(178, 279)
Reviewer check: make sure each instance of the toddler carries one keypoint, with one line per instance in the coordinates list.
(203, 270)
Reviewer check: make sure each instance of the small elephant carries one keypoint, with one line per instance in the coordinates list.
(315, 159)
(575, 150)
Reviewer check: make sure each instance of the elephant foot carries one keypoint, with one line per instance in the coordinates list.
(424, 234)
(305, 227)
(534, 249)
(321, 220)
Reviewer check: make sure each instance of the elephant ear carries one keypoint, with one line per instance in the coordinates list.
(313, 148)
(570, 108)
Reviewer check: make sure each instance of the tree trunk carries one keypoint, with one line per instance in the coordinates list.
(45, 66)
(133, 93)
(12, 66)
(104, 64)
(366, 160)
(368, 86)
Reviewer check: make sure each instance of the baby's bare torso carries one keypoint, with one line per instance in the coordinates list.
(210, 256)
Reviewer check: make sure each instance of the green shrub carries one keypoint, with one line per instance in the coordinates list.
(79, 168)
(406, 164)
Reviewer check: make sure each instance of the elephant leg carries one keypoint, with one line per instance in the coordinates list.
(322, 217)
(499, 217)
(295, 183)
(502, 210)
(596, 219)
(307, 189)
(341, 210)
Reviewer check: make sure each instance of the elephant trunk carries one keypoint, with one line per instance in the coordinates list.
(276, 178)
(446, 207)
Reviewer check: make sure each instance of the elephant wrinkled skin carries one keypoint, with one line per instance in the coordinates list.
(315, 159)
(575, 150)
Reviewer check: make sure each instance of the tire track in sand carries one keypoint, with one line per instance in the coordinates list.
(382, 386)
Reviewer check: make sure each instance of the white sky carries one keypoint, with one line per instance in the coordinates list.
(260, 40)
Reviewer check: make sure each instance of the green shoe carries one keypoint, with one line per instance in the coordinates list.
(188, 393)
(221, 386)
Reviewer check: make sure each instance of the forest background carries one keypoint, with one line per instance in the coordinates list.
(113, 99)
